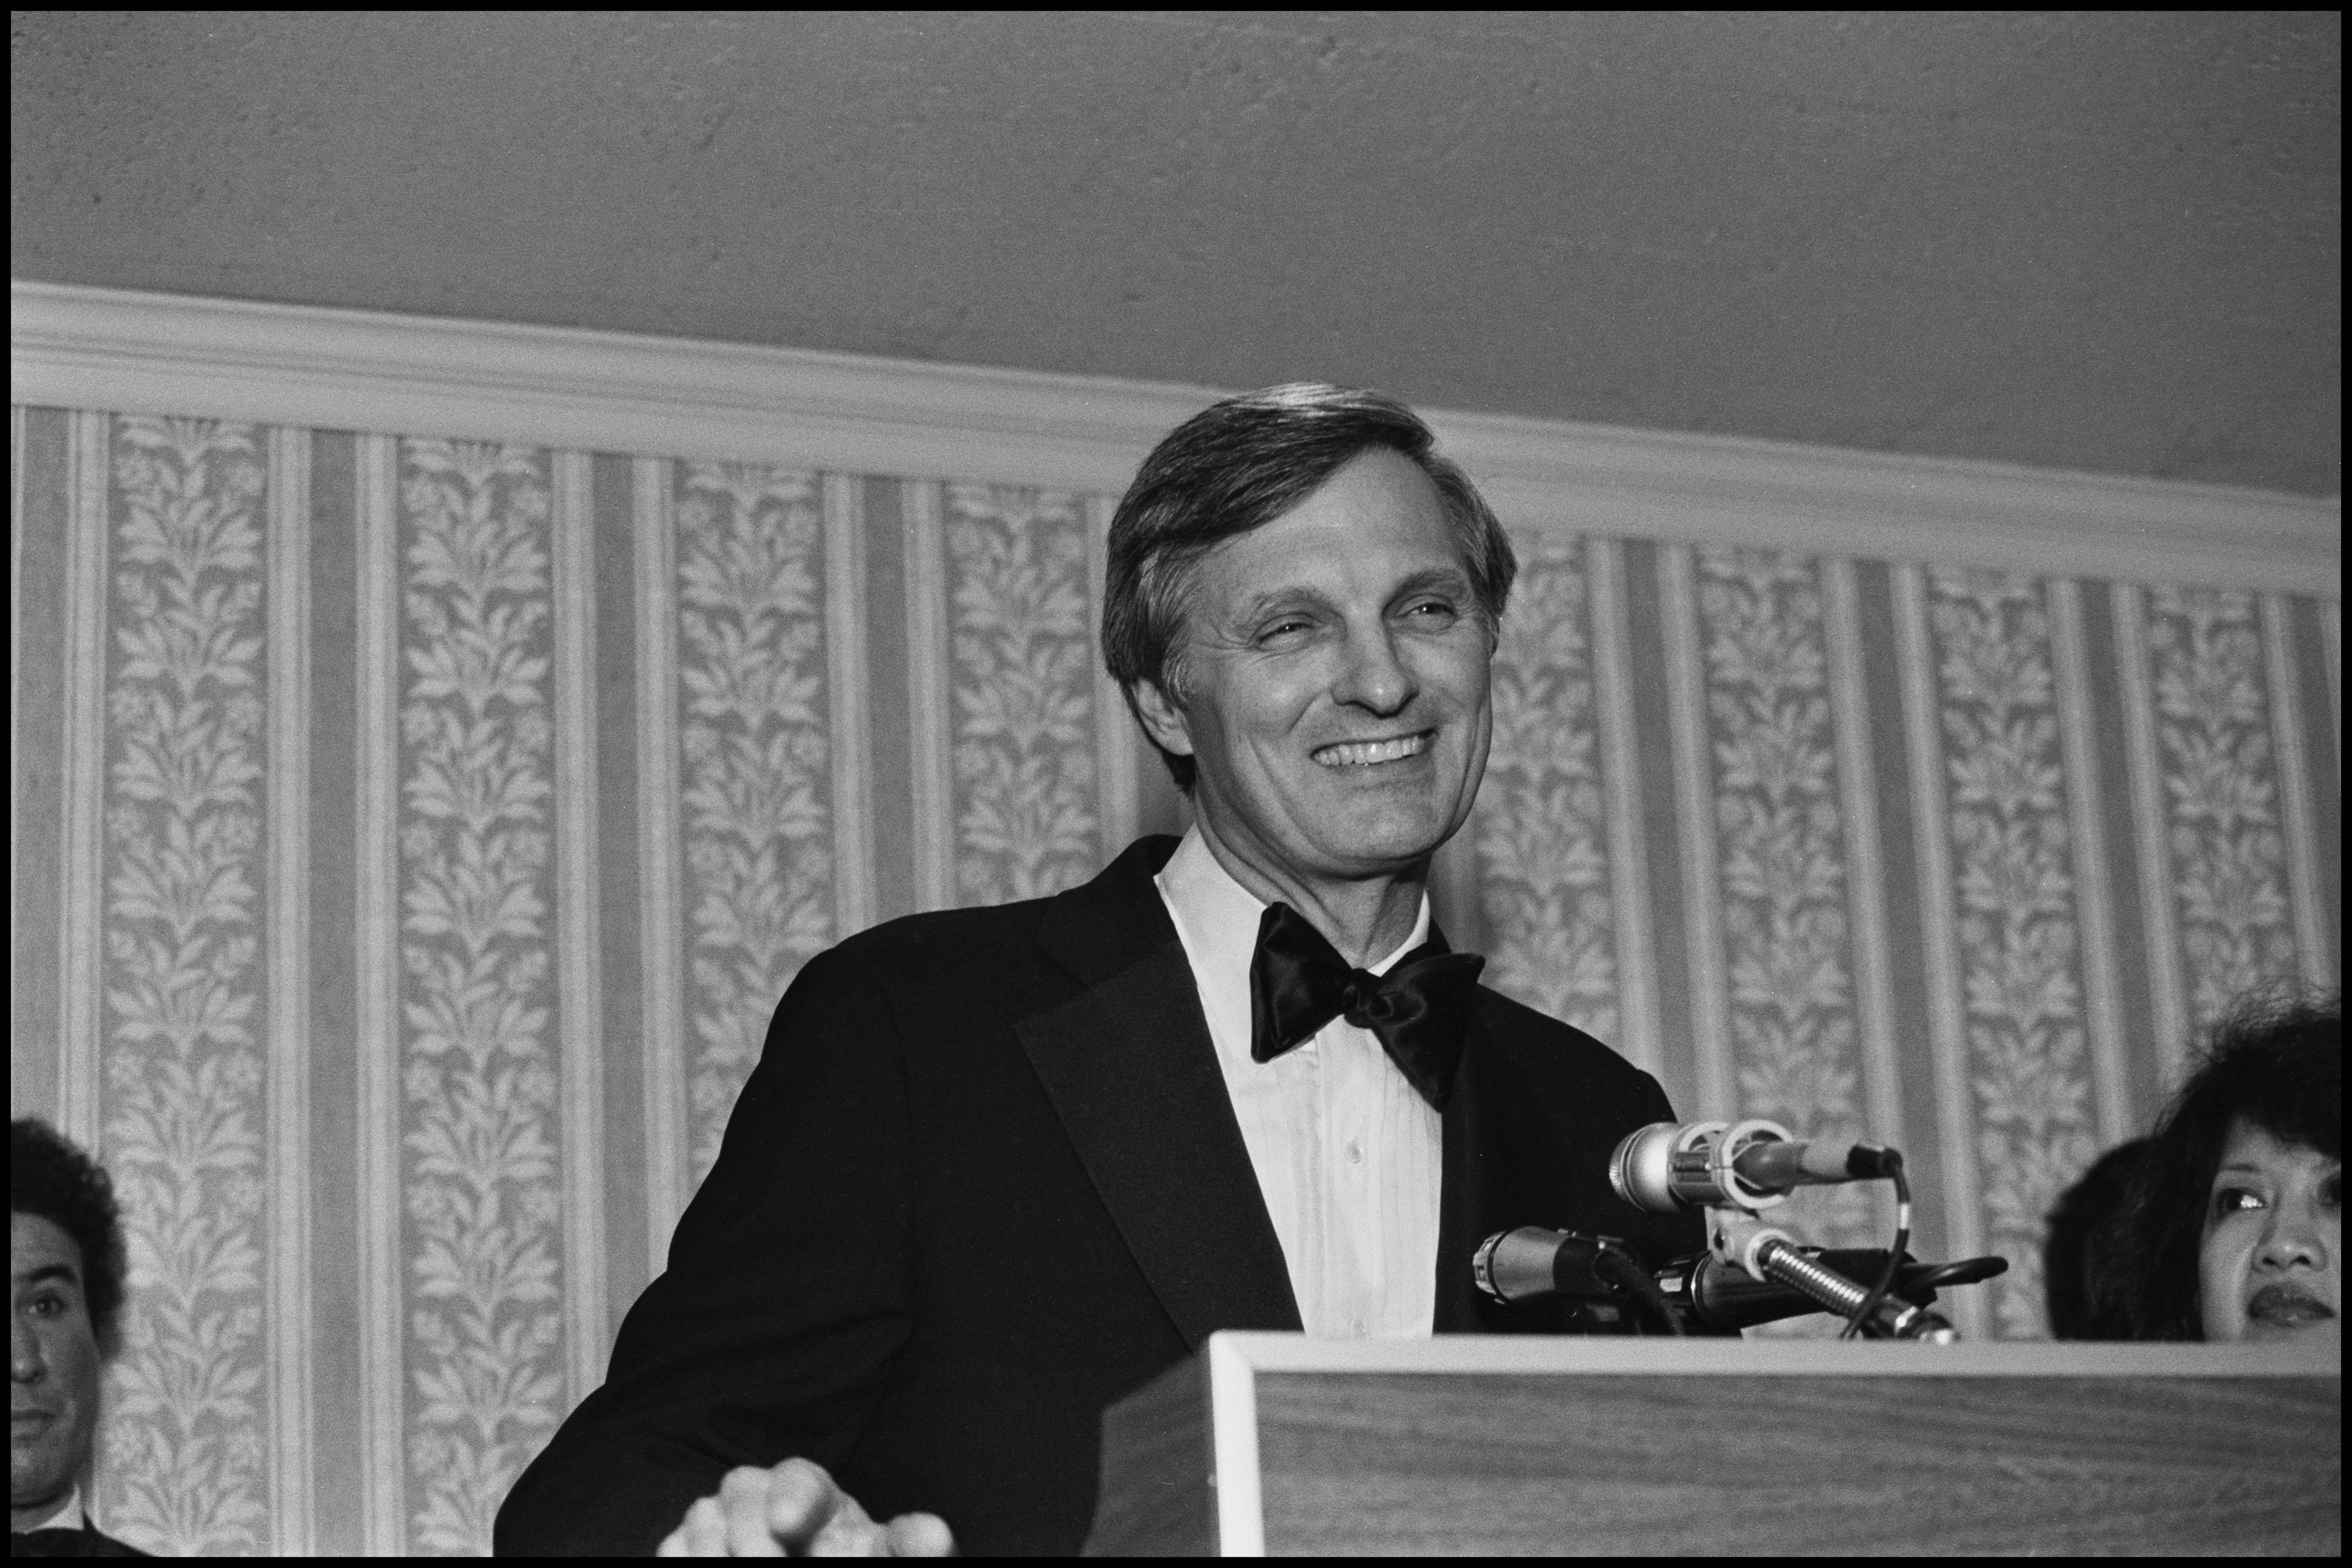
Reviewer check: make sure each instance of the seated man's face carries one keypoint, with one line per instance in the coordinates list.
(1336, 679)
(2273, 1231)
(53, 1366)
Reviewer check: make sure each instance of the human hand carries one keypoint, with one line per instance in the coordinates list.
(796, 1509)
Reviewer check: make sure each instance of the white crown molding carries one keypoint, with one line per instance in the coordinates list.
(164, 353)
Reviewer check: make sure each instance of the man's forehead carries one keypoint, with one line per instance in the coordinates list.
(1378, 523)
(39, 1244)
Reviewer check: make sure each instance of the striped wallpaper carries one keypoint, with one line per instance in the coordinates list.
(412, 837)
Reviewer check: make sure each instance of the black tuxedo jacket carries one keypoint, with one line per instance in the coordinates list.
(985, 1181)
(87, 1542)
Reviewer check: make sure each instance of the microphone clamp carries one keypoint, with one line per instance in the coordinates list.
(1665, 1167)
(1766, 1252)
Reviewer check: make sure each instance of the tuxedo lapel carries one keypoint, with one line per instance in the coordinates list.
(1512, 1135)
(1464, 1204)
(1529, 1132)
(1130, 1070)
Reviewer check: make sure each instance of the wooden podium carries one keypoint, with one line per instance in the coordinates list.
(1283, 1445)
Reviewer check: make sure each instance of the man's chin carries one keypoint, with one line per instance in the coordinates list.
(1387, 843)
(41, 1483)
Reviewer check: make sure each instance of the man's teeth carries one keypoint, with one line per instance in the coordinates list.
(1365, 753)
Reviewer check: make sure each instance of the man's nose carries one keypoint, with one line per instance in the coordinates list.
(26, 1362)
(1375, 679)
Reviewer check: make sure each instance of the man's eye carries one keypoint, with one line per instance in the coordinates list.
(1431, 609)
(1290, 626)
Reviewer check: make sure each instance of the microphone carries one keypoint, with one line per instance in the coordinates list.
(1530, 1262)
(1668, 1166)
(1721, 1295)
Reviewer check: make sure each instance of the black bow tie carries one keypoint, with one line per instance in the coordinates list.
(1418, 1010)
(52, 1542)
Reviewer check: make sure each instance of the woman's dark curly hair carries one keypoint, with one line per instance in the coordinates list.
(2278, 1065)
(50, 1178)
(2081, 1280)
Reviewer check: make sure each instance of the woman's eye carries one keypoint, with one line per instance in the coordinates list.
(2235, 1200)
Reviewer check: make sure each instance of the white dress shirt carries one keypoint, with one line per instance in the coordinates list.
(1349, 1155)
(68, 1515)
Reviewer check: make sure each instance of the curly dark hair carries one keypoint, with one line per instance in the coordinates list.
(49, 1177)
(2277, 1064)
(1236, 466)
(2081, 1280)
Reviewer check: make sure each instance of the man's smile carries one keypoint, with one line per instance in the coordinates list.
(1372, 753)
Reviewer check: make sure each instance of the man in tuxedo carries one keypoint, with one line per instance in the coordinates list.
(998, 1168)
(65, 1285)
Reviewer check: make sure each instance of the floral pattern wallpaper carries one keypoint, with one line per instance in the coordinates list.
(1543, 869)
(183, 1121)
(413, 837)
(481, 1180)
(1780, 852)
(2027, 1055)
(1023, 657)
(2221, 796)
(754, 748)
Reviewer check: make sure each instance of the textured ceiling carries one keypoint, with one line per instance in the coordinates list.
(2090, 240)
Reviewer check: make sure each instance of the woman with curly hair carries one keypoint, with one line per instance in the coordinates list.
(2233, 1228)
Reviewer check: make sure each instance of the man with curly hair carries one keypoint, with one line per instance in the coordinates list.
(65, 1281)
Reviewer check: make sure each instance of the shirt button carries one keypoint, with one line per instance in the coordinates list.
(1356, 1327)
(1355, 1153)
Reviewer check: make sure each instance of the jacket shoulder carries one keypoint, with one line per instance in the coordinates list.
(1086, 932)
(944, 936)
(1545, 1044)
(1521, 1025)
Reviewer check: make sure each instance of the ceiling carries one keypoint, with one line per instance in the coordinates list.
(2089, 240)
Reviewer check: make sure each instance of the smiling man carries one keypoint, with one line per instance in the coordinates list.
(998, 1168)
(65, 1287)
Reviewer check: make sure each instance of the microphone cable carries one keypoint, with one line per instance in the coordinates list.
(1614, 1267)
(1890, 1166)
(1959, 1271)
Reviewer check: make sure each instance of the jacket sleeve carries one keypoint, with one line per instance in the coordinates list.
(786, 1298)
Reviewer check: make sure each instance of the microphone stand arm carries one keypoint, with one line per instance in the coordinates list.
(1767, 1252)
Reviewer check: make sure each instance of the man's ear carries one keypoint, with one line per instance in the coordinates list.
(1161, 719)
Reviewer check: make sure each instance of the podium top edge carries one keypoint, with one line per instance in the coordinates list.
(1547, 1355)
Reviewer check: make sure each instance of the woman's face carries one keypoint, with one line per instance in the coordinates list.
(2273, 1230)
